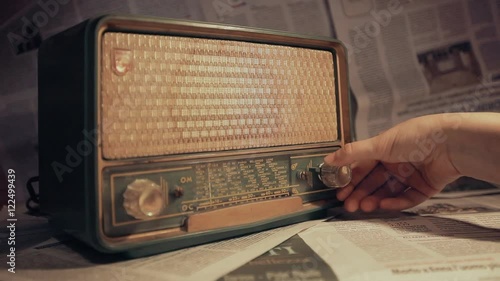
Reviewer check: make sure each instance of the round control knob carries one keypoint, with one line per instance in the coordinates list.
(143, 199)
(335, 176)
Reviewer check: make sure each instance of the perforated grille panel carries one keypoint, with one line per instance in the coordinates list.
(164, 95)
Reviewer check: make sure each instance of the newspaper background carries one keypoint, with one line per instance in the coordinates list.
(290, 260)
(411, 58)
(450, 239)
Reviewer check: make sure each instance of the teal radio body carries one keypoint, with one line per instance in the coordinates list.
(159, 134)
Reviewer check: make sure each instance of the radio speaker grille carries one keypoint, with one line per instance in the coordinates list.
(163, 95)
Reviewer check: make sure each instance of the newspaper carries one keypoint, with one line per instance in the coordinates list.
(290, 260)
(178, 9)
(62, 257)
(411, 58)
(308, 17)
(441, 239)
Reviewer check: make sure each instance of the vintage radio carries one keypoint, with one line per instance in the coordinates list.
(159, 134)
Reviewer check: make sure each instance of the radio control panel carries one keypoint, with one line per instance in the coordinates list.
(164, 196)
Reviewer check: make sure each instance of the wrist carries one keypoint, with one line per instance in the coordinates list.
(472, 144)
(450, 126)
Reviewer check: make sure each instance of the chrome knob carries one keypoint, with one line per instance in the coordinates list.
(143, 199)
(335, 176)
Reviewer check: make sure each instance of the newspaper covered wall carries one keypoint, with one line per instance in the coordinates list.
(308, 17)
(411, 58)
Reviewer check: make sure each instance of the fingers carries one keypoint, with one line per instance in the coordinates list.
(390, 189)
(369, 189)
(343, 193)
(384, 188)
(410, 198)
(359, 171)
(417, 181)
(419, 192)
(367, 186)
(351, 152)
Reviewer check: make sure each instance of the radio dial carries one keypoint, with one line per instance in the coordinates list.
(331, 176)
(143, 199)
(335, 176)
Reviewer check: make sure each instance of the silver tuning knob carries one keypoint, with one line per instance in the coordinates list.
(143, 199)
(333, 176)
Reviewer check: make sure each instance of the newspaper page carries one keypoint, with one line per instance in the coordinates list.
(441, 239)
(178, 9)
(290, 260)
(309, 17)
(42, 255)
(411, 58)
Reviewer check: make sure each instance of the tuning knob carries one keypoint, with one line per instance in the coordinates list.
(333, 176)
(143, 199)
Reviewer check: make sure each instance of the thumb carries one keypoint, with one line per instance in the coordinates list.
(351, 152)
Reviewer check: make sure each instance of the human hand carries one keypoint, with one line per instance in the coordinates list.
(397, 169)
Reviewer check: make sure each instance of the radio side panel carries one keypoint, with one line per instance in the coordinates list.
(66, 150)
